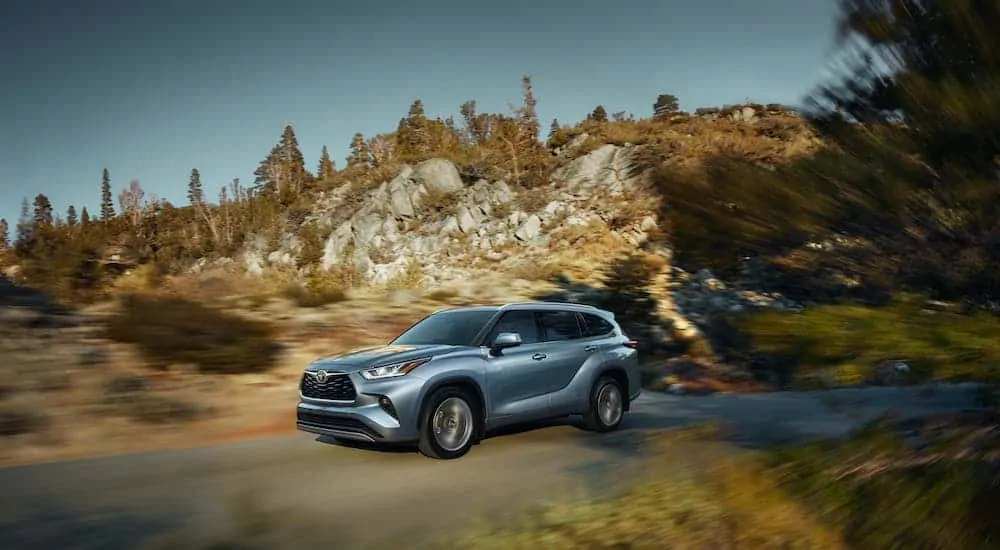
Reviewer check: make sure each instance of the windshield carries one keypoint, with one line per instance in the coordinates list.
(451, 328)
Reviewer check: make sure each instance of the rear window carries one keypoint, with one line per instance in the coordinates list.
(595, 325)
(558, 325)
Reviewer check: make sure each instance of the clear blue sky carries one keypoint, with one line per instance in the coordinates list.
(150, 89)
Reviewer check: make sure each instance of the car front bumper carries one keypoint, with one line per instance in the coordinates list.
(384, 411)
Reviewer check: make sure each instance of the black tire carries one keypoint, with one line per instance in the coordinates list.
(592, 419)
(429, 445)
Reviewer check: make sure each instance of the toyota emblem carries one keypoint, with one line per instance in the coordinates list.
(321, 376)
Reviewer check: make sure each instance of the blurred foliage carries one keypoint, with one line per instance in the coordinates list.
(882, 491)
(722, 503)
(175, 331)
(845, 343)
(909, 165)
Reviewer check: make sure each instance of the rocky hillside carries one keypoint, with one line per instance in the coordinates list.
(427, 217)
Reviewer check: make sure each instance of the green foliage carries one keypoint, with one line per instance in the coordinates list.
(107, 206)
(195, 193)
(841, 342)
(174, 331)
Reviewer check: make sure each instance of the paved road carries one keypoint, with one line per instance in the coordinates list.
(356, 498)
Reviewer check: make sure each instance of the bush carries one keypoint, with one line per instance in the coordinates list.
(129, 396)
(19, 421)
(172, 330)
(849, 341)
(320, 289)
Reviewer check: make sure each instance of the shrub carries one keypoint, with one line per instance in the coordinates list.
(16, 420)
(319, 290)
(173, 330)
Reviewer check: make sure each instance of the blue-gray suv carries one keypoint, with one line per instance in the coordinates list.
(460, 372)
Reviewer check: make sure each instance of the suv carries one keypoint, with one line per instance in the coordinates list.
(459, 372)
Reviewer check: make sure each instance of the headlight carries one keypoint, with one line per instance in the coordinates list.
(393, 370)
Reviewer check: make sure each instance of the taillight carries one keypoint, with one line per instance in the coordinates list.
(632, 344)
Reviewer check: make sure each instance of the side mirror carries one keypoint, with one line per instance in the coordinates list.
(505, 340)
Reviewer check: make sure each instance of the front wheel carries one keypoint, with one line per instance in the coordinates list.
(448, 424)
(607, 406)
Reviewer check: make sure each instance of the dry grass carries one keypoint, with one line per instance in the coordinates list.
(694, 494)
(685, 140)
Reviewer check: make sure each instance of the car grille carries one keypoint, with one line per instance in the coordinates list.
(336, 387)
(342, 423)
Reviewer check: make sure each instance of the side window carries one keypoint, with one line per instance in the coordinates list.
(558, 325)
(521, 322)
(595, 325)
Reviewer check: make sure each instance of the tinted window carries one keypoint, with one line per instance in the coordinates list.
(521, 322)
(454, 328)
(558, 325)
(595, 325)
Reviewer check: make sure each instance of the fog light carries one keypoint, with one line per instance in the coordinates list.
(387, 406)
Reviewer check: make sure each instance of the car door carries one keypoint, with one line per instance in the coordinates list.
(515, 377)
(565, 355)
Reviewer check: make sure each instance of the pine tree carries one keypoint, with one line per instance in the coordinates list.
(84, 217)
(24, 225)
(43, 211)
(326, 167)
(4, 234)
(412, 134)
(284, 169)
(107, 206)
(71, 219)
(554, 127)
(599, 114)
(666, 105)
(195, 194)
(360, 155)
(529, 115)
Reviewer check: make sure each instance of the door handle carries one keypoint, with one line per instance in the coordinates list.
(590, 349)
(539, 356)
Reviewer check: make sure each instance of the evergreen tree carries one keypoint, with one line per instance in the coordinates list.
(666, 105)
(71, 219)
(292, 159)
(84, 217)
(360, 155)
(599, 114)
(412, 134)
(326, 167)
(195, 194)
(107, 206)
(554, 128)
(4, 234)
(283, 170)
(43, 211)
(529, 115)
(24, 225)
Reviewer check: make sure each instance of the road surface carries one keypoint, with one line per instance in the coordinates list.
(359, 498)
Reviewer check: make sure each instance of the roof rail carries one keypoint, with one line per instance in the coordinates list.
(549, 303)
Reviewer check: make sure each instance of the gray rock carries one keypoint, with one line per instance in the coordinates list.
(438, 176)
(530, 230)
(466, 222)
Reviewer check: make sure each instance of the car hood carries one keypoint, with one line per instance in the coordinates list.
(363, 358)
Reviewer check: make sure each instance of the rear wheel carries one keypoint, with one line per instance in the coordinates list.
(449, 422)
(607, 406)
